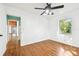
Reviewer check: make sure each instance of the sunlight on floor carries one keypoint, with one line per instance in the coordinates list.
(62, 52)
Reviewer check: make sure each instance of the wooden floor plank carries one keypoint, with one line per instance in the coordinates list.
(44, 48)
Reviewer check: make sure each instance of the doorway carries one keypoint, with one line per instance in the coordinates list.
(13, 31)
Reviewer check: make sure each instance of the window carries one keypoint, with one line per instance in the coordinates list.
(65, 26)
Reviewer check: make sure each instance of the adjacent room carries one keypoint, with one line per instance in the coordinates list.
(39, 29)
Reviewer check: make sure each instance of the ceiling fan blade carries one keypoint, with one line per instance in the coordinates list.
(42, 13)
(40, 8)
(47, 3)
(61, 6)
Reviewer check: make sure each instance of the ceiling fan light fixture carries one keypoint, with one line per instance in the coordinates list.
(48, 12)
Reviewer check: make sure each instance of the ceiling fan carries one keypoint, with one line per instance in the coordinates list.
(48, 9)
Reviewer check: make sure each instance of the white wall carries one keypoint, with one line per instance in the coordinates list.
(36, 28)
(75, 27)
(71, 39)
(3, 30)
(33, 28)
(73, 14)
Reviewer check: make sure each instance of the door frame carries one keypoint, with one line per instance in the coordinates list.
(17, 19)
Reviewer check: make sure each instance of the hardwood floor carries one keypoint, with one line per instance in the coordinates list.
(44, 48)
(13, 48)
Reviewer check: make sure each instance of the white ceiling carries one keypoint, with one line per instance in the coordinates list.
(29, 7)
